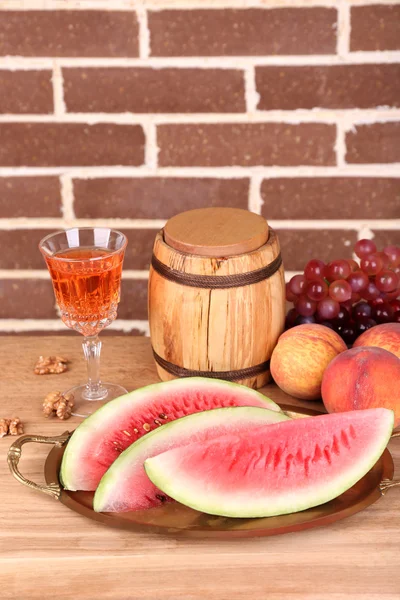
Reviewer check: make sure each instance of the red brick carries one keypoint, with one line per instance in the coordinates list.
(347, 86)
(140, 248)
(69, 33)
(375, 27)
(246, 144)
(19, 248)
(154, 90)
(331, 198)
(299, 246)
(30, 197)
(26, 92)
(27, 299)
(386, 237)
(246, 32)
(70, 144)
(41, 305)
(154, 197)
(375, 143)
(133, 299)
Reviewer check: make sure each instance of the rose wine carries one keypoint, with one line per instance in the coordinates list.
(86, 283)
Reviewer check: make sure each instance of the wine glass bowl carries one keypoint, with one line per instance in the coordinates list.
(85, 265)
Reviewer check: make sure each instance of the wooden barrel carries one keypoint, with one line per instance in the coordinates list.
(216, 296)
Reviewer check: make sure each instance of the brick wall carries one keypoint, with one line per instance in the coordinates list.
(124, 113)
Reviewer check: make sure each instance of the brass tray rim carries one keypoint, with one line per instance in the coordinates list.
(114, 520)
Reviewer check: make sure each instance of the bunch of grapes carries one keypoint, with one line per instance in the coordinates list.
(346, 296)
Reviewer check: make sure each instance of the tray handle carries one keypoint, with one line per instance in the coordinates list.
(386, 484)
(14, 454)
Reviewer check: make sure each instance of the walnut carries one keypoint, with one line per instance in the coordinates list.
(16, 427)
(11, 427)
(50, 365)
(4, 426)
(58, 404)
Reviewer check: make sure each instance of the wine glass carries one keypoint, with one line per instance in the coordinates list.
(85, 265)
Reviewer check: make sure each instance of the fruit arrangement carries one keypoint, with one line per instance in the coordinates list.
(345, 295)
(234, 454)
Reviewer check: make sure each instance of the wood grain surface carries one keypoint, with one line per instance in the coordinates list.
(204, 329)
(47, 551)
(216, 231)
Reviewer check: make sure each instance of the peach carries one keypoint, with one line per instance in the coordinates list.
(386, 336)
(301, 357)
(364, 377)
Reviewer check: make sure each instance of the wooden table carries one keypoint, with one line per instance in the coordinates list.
(47, 551)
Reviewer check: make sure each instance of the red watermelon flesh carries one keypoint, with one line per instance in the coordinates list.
(103, 436)
(278, 469)
(125, 486)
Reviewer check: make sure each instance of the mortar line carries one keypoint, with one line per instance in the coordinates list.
(155, 224)
(156, 5)
(391, 170)
(58, 92)
(204, 62)
(293, 117)
(343, 29)
(67, 198)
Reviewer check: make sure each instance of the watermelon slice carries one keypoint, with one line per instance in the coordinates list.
(101, 438)
(274, 470)
(125, 486)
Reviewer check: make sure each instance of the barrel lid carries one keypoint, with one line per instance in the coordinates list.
(217, 232)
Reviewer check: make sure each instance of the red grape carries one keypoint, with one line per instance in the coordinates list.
(337, 269)
(354, 266)
(395, 304)
(347, 305)
(392, 295)
(316, 290)
(340, 290)
(349, 333)
(290, 318)
(385, 259)
(364, 324)
(327, 324)
(305, 307)
(364, 247)
(362, 310)
(328, 308)
(372, 264)
(382, 313)
(314, 269)
(290, 297)
(393, 252)
(304, 320)
(386, 281)
(396, 317)
(355, 297)
(296, 284)
(358, 281)
(342, 317)
(371, 292)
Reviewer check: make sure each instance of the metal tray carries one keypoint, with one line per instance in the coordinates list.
(178, 520)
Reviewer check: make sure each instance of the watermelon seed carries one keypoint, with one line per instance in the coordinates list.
(146, 427)
(157, 422)
(161, 497)
(126, 433)
(163, 416)
(135, 430)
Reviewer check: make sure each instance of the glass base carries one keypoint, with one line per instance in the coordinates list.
(84, 406)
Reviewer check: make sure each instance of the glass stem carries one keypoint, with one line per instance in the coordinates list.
(92, 349)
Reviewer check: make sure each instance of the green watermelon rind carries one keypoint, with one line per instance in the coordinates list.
(110, 411)
(114, 476)
(159, 473)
